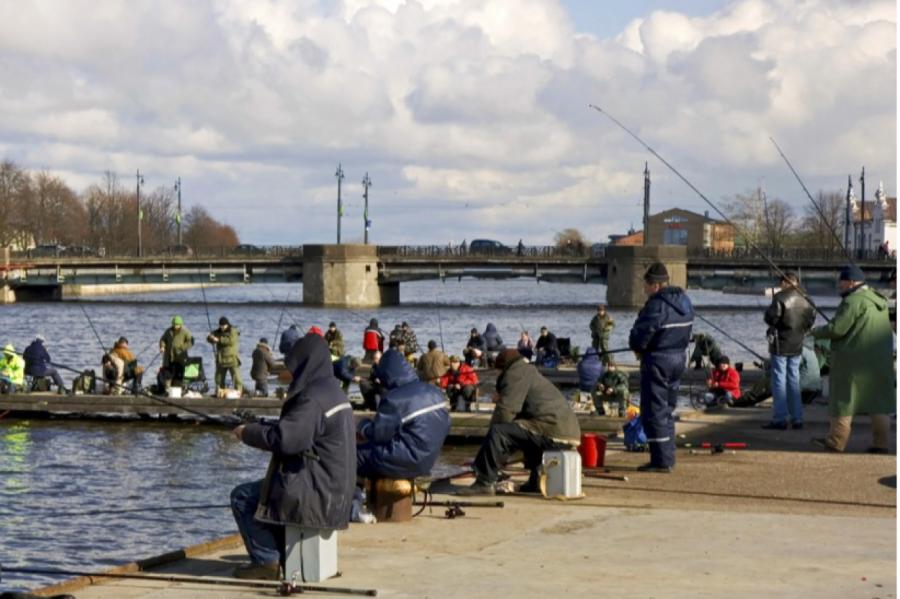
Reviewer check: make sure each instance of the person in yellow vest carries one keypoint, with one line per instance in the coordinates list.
(12, 370)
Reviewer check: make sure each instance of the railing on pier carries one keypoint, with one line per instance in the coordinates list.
(182, 251)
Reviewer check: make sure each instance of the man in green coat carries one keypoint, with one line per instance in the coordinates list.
(862, 370)
(704, 346)
(226, 340)
(612, 389)
(174, 345)
(601, 326)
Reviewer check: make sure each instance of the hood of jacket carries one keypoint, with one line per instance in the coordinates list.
(675, 297)
(394, 370)
(490, 328)
(373, 324)
(869, 295)
(308, 360)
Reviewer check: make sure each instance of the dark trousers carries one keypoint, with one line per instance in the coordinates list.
(502, 441)
(466, 395)
(371, 393)
(264, 542)
(262, 387)
(54, 376)
(660, 378)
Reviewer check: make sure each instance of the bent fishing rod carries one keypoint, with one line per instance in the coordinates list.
(284, 587)
(814, 203)
(724, 332)
(737, 228)
(93, 328)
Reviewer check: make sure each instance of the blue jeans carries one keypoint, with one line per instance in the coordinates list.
(786, 389)
(264, 542)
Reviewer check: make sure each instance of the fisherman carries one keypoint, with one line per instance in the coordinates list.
(526, 346)
(461, 384)
(262, 363)
(612, 388)
(589, 370)
(475, 348)
(289, 337)
(659, 338)
(433, 364)
(723, 385)
(314, 330)
(345, 370)
(862, 377)
(810, 379)
(373, 341)
(226, 340)
(409, 339)
(335, 340)
(704, 347)
(531, 416)
(310, 480)
(395, 339)
(547, 349)
(790, 317)
(493, 343)
(601, 326)
(405, 437)
(12, 370)
(370, 387)
(174, 345)
(39, 364)
(127, 368)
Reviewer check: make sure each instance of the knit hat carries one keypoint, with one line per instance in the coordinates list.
(332, 325)
(789, 276)
(657, 273)
(505, 358)
(315, 331)
(432, 344)
(852, 272)
(40, 337)
(264, 341)
(223, 321)
(177, 320)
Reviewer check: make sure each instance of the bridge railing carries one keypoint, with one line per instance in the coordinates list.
(177, 251)
(462, 251)
(797, 255)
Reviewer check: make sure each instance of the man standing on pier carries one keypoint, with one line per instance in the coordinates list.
(789, 318)
(226, 340)
(660, 337)
(174, 346)
(601, 326)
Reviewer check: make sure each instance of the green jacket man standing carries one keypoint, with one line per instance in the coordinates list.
(226, 340)
(174, 345)
(601, 326)
(862, 370)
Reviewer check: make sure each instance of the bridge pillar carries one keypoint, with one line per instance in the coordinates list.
(7, 295)
(345, 275)
(626, 267)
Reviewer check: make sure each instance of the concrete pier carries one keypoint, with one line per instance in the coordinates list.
(345, 275)
(626, 268)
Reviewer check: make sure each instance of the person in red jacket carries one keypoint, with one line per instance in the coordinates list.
(460, 383)
(724, 384)
(373, 341)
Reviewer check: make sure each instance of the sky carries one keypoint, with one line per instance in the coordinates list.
(470, 116)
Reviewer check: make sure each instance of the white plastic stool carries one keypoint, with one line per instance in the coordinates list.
(310, 553)
(563, 471)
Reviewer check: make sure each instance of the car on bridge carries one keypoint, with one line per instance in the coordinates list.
(490, 247)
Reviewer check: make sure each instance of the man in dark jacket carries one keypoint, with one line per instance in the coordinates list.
(493, 342)
(335, 340)
(546, 349)
(311, 479)
(705, 346)
(370, 387)
(475, 348)
(288, 338)
(405, 437)
(790, 317)
(589, 369)
(531, 416)
(262, 364)
(345, 370)
(659, 338)
(38, 363)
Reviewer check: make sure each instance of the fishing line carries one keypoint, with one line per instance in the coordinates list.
(440, 328)
(721, 330)
(93, 328)
(206, 306)
(737, 228)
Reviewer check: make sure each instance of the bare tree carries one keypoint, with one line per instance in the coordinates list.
(570, 240)
(15, 192)
(819, 232)
(204, 233)
(763, 222)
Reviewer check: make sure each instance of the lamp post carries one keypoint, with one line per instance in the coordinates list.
(178, 210)
(367, 183)
(340, 207)
(140, 214)
(862, 212)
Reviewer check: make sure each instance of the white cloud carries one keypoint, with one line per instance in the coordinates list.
(472, 113)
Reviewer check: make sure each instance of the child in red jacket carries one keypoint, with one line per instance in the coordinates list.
(724, 384)
(461, 385)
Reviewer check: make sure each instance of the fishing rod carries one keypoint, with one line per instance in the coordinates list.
(93, 328)
(283, 587)
(737, 228)
(206, 306)
(440, 328)
(280, 317)
(721, 330)
(146, 349)
(814, 203)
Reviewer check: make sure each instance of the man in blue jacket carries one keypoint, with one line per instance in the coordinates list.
(405, 437)
(660, 337)
(589, 369)
(311, 479)
(38, 363)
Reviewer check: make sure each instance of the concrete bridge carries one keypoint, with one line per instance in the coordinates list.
(360, 275)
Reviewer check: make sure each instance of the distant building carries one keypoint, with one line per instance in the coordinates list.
(683, 227)
(878, 225)
(631, 238)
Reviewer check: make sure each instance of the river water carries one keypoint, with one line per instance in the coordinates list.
(52, 472)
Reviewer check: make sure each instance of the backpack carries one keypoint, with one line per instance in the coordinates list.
(85, 383)
(635, 438)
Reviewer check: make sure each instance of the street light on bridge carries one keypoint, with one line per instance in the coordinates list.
(340, 207)
(140, 214)
(367, 183)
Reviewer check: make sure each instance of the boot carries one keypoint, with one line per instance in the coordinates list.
(270, 571)
(477, 488)
(534, 483)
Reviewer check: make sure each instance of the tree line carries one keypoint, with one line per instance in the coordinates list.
(39, 208)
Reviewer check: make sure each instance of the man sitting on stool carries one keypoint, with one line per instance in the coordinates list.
(531, 416)
(310, 479)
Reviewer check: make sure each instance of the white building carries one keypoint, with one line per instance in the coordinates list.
(878, 225)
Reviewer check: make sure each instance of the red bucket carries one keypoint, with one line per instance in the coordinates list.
(589, 450)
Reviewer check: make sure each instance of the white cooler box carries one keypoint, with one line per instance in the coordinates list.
(562, 472)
